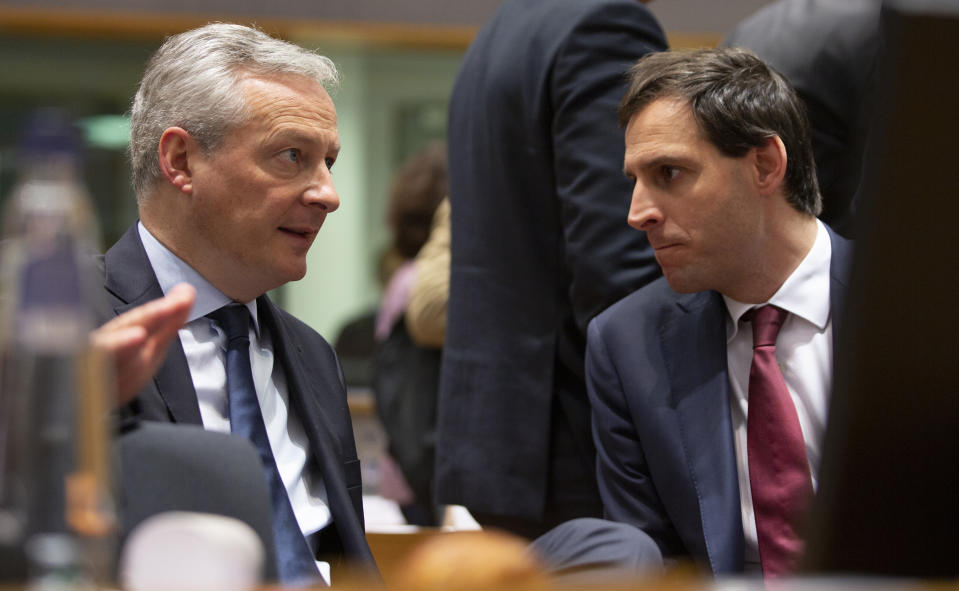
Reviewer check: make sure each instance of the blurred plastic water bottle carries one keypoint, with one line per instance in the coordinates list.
(57, 519)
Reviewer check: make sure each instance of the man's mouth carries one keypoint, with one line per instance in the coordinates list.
(660, 247)
(301, 231)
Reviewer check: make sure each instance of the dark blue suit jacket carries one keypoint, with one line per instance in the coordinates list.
(657, 375)
(316, 390)
(540, 242)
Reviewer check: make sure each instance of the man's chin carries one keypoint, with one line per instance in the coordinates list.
(281, 277)
(681, 283)
(297, 273)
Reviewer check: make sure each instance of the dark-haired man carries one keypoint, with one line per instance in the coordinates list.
(707, 444)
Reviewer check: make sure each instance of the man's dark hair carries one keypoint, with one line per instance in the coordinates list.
(738, 101)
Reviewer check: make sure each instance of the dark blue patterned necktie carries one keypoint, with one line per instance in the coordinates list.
(295, 562)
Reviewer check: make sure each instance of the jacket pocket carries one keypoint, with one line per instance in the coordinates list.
(352, 474)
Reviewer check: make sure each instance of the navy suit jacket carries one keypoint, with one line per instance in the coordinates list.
(539, 237)
(316, 391)
(659, 387)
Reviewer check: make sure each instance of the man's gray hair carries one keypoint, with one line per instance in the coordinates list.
(191, 80)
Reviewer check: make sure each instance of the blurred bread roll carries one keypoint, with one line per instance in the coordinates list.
(472, 561)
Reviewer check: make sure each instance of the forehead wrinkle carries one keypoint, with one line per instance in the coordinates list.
(289, 97)
(290, 113)
(287, 112)
(672, 136)
(297, 133)
(294, 108)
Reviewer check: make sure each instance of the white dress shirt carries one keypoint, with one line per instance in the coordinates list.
(204, 345)
(804, 352)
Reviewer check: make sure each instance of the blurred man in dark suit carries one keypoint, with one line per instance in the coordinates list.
(539, 246)
(829, 51)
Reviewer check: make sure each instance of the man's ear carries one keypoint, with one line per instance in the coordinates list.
(175, 152)
(770, 162)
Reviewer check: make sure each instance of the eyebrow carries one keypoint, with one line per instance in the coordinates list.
(671, 159)
(647, 164)
(297, 136)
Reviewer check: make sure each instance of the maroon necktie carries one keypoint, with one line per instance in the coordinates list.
(778, 467)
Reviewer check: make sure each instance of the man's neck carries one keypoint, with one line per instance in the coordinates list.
(175, 236)
(786, 245)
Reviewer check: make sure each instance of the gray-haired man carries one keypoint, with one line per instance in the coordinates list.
(233, 135)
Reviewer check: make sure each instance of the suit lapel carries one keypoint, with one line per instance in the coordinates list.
(130, 281)
(175, 386)
(308, 387)
(700, 395)
(839, 267)
(304, 390)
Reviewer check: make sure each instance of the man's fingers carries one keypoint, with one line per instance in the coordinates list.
(138, 339)
(159, 313)
(120, 340)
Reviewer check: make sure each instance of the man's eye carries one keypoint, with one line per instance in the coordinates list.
(669, 173)
(329, 163)
(293, 154)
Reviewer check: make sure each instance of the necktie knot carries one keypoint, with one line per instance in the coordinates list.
(234, 320)
(766, 321)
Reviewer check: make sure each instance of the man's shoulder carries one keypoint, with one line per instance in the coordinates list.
(557, 9)
(652, 296)
(555, 19)
(640, 308)
(650, 309)
(290, 325)
(841, 259)
(128, 277)
(838, 241)
(125, 251)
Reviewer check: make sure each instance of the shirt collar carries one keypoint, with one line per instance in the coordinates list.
(805, 293)
(171, 269)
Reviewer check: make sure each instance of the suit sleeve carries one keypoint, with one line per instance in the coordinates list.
(604, 256)
(625, 484)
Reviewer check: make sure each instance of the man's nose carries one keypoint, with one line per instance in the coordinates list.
(322, 193)
(643, 212)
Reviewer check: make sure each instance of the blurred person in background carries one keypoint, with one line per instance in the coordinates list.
(429, 294)
(539, 245)
(829, 51)
(406, 374)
